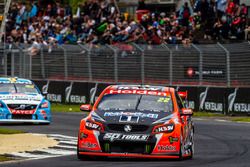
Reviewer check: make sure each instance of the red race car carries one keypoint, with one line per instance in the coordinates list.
(137, 121)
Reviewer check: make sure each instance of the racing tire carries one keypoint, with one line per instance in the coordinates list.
(181, 149)
(84, 157)
(192, 146)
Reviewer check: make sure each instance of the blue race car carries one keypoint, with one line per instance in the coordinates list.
(22, 102)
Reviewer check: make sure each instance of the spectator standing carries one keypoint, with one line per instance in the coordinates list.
(184, 14)
(33, 11)
(141, 5)
(221, 7)
(204, 10)
(211, 17)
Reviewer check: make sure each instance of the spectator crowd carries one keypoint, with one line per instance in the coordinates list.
(100, 22)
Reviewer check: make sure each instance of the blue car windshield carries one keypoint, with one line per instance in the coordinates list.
(18, 88)
(136, 102)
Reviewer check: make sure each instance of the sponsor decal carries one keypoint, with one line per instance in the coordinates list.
(92, 125)
(242, 107)
(54, 97)
(212, 106)
(68, 92)
(173, 139)
(117, 136)
(77, 99)
(212, 71)
(43, 113)
(166, 148)
(203, 97)
(73, 96)
(20, 97)
(129, 118)
(45, 88)
(127, 128)
(231, 99)
(89, 145)
(139, 88)
(93, 93)
(18, 82)
(23, 112)
(165, 128)
(136, 114)
(190, 104)
(139, 92)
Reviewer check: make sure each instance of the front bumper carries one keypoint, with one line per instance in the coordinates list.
(129, 155)
(17, 121)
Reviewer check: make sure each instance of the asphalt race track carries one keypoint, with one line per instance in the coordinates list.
(217, 144)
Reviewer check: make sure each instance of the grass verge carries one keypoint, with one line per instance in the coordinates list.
(207, 114)
(65, 107)
(10, 131)
(3, 158)
(241, 119)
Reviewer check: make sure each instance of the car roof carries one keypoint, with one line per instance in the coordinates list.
(15, 80)
(142, 87)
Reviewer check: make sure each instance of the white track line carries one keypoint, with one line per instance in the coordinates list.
(57, 151)
(28, 155)
(62, 146)
(68, 142)
(61, 136)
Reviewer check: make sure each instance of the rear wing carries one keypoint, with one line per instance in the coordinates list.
(183, 94)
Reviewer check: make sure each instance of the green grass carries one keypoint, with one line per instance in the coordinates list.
(241, 119)
(207, 114)
(65, 107)
(3, 158)
(10, 131)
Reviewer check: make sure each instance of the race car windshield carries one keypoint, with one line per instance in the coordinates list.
(18, 88)
(136, 102)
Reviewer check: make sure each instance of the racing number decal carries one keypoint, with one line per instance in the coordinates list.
(30, 86)
(163, 100)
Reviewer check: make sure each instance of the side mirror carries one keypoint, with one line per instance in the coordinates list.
(44, 94)
(186, 112)
(86, 107)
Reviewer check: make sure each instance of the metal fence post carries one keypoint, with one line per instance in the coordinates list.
(142, 62)
(22, 60)
(21, 54)
(12, 64)
(5, 63)
(65, 62)
(115, 62)
(88, 49)
(228, 64)
(42, 63)
(30, 67)
(170, 64)
(200, 64)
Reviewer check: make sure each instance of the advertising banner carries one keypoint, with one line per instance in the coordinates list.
(220, 100)
(238, 100)
(212, 99)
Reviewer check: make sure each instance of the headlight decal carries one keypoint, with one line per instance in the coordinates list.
(91, 125)
(166, 128)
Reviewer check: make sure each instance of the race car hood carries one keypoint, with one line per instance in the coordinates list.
(131, 116)
(19, 98)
